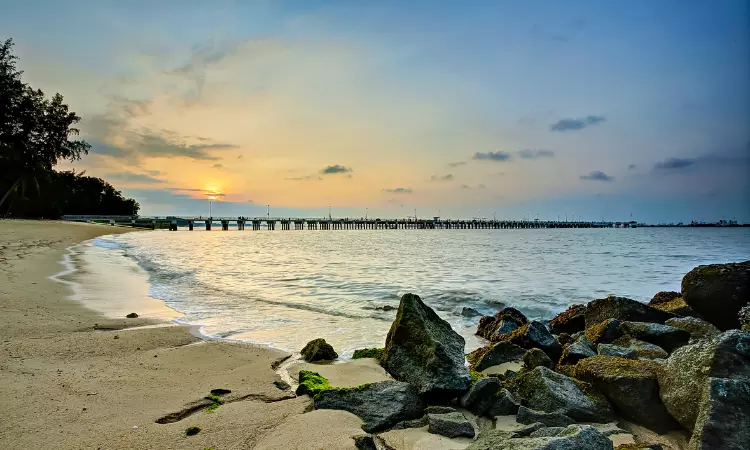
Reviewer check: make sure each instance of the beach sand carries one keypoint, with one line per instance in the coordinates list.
(72, 379)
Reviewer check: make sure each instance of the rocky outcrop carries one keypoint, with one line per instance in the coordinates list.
(577, 351)
(547, 391)
(379, 405)
(534, 335)
(570, 321)
(528, 416)
(698, 329)
(578, 437)
(666, 337)
(622, 308)
(718, 291)
(318, 350)
(450, 425)
(643, 350)
(505, 321)
(685, 376)
(423, 350)
(724, 418)
(632, 387)
(535, 358)
(495, 354)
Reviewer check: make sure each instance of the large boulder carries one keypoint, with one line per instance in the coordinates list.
(686, 373)
(724, 418)
(698, 328)
(676, 305)
(318, 350)
(666, 337)
(494, 354)
(379, 405)
(622, 308)
(570, 321)
(451, 425)
(547, 391)
(480, 395)
(631, 386)
(528, 416)
(718, 291)
(578, 350)
(423, 350)
(534, 335)
(573, 437)
(664, 297)
(505, 321)
(603, 332)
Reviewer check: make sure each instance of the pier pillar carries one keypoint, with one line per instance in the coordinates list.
(224, 225)
(208, 224)
(190, 225)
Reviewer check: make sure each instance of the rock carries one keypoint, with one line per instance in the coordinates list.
(685, 375)
(573, 437)
(744, 318)
(479, 397)
(376, 353)
(603, 332)
(527, 430)
(642, 349)
(675, 306)
(724, 418)
(414, 423)
(379, 405)
(718, 291)
(495, 354)
(547, 432)
(664, 297)
(437, 409)
(570, 321)
(577, 351)
(535, 358)
(423, 350)
(631, 386)
(503, 403)
(622, 308)
(132, 316)
(450, 425)
(365, 442)
(640, 446)
(698, 328)
(505, 321)
(318, 350)
(385, 308)
(282, 385)
(534, 335)
(666, 337)
(311, 383)
(469, 312)
(564, 339)
(529, 416)
(544, 390)
(616, 350)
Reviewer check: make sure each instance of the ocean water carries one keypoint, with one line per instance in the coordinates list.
(284, 288)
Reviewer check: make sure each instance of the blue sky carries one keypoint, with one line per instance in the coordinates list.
(599, 109)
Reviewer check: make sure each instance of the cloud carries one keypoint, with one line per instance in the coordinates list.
(202, 57)
(130, 177)
(330, 170)
(446, 177)
(456, 164)
(492, 156)
(674, 163)
(631, 166)
(304, 178)
(399, 190)
(479, 186)
(202, 192)
(533, 154)
(597, 175)
(576, 124)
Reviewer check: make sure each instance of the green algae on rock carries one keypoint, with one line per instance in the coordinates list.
(376, 353)
(318, 350)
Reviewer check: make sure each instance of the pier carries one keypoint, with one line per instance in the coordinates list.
(287, 223)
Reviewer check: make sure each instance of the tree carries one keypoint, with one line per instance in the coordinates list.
(35, 131)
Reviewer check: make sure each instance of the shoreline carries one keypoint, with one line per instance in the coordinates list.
(73, 378)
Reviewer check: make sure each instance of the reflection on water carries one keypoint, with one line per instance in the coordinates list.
(283, 288)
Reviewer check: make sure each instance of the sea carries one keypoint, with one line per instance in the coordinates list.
(284, 288)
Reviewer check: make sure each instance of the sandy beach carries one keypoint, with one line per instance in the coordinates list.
(73, 379)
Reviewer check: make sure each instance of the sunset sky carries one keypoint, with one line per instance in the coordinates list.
(600, 109)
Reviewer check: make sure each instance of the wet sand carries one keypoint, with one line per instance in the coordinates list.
(72, 378)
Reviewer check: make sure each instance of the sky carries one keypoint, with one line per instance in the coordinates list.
(509, 109)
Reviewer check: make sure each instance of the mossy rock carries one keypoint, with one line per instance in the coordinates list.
(603, 332)
(311, 383)
(505, 321)
(318, 350)
(494, 354)
(718, 291)
(675, 306)
(570, 321)
(533, 335)
(664, 297)
(642, 349)
(376, 353)
(622, 308)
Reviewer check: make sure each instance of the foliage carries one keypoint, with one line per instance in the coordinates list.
(35, 135)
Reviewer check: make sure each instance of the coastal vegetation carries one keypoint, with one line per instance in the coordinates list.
(36, 133)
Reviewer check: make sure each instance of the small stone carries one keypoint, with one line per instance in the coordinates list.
(469, 312)
(318, 350)
(450, 425)
(365, 442)
(282, 385)
(117, 337)
(132, 316)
